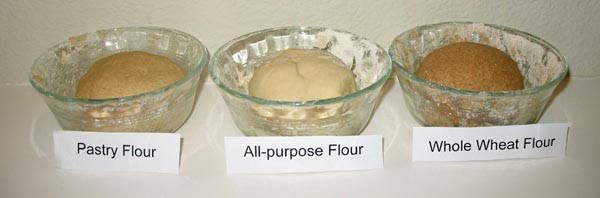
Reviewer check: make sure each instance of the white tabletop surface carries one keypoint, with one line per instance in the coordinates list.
(27, 168)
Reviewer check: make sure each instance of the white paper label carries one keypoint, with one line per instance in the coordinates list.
(303, 154)
(139, 152)
(489, 143)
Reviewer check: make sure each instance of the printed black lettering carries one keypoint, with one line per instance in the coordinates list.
(345, 150)
(126, 148)
(138, 152)
(491, 145)
(436, 146)
(485, 144)
(114, 152)
(270, 153)
(537, 143)
(80, 147)
(99, 150)
(319, 151)
(444, 146)
(249, 152)
(331, 148)
(293, 153)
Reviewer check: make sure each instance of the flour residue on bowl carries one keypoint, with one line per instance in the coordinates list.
(435, 105)
(357, 53)
(233, 66)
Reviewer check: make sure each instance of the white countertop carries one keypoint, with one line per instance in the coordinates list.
(28, 170)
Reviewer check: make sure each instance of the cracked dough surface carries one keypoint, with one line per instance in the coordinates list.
(301, 75)
(127, 73)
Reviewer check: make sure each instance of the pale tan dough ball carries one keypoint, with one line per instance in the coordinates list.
(301, 75)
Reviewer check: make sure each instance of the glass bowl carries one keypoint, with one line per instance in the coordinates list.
(233, 65)
(431, 104)
(56, 72)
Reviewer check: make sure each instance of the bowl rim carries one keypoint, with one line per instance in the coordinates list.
(195, 71)
(413, 77)
(378, 83)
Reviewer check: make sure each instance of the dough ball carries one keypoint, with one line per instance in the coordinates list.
(301, 75)
(126, 74)
(471, 66)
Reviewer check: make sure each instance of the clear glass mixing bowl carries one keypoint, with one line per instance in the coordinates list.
(233, 65)
(431, 104)
(56, 72)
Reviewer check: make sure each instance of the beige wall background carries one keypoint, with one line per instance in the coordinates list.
(30, 27)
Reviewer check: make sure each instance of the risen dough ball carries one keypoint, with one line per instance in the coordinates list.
(127, 73)
(301, 75)
(471, 66)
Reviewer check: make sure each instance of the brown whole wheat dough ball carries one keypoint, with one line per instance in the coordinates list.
(126, 74)
(471, 66)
